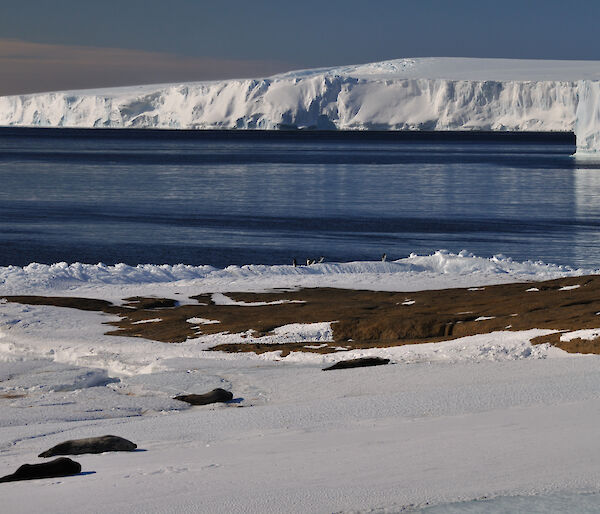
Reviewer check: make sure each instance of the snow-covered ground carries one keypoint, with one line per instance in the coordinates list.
(413, 273)
(401, 94)
(482, 416)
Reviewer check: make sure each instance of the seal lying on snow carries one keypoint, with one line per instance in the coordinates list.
(61, 467)
(214, 396)
(105, 443)
(358, 363)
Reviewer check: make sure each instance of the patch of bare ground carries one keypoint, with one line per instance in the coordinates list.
(576, 345)
(363, 319)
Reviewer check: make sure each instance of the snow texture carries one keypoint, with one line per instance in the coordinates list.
(401, 94)
(488, 415)
(587, 334)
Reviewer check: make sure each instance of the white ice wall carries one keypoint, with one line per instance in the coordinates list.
(318, 101)
(382, 96)
(587, 125)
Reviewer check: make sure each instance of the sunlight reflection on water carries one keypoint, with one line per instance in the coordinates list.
(221, 201)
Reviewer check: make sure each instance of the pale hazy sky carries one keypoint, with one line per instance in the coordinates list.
(66, 44)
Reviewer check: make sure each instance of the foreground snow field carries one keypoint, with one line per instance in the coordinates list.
(482, 416)
(358, 440)
(401, 94)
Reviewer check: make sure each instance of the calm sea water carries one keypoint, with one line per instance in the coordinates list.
(157, 197)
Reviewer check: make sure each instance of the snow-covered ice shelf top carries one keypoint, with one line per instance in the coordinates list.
(402, 94)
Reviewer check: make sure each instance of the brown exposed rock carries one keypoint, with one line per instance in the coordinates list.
(363, 319)
(576, 345)
(140, 303)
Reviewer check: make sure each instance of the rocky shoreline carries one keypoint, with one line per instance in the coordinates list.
(361, 319)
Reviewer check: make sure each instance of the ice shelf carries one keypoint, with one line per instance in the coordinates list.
(402, 94)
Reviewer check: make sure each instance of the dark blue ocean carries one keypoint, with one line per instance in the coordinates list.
(237, 198)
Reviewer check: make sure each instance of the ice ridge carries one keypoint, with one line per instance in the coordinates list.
(442, 264)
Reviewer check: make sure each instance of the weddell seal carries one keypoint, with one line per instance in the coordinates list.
(215, 396)
(105, 443)
(61, 467)
(358, 363)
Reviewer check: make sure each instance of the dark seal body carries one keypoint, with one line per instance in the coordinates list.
(61, 467)
(358, 363)
(215, 396)
(105, 443)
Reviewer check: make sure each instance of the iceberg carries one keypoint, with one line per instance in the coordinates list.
(401, 94)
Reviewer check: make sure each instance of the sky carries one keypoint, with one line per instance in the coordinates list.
(72, 44)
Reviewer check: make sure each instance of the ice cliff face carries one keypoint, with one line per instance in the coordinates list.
(404, 94)
(587, 124)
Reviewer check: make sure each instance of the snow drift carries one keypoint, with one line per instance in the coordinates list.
(439, 270)
(403, 94)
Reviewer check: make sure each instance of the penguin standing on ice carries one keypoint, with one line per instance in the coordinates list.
(383, 257)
